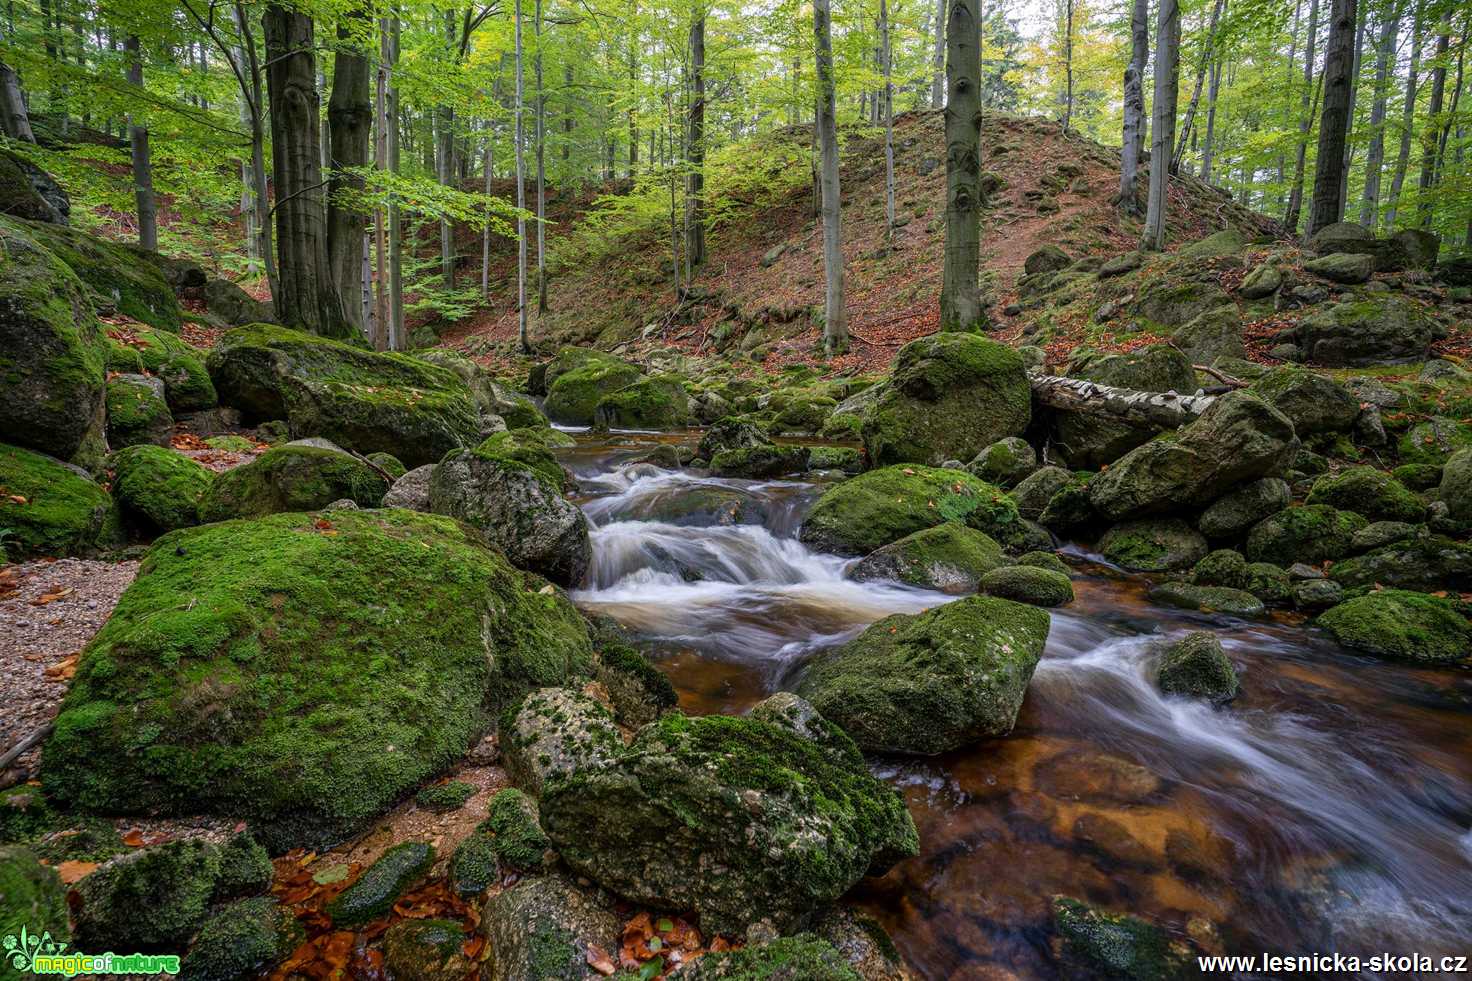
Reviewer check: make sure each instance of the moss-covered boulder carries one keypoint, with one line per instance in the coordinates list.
(882, 506)
(360, 399)
(532, 447)
(1237, 439)
(518, 411)
(738, 819)
(426, 950)
(657, 402)
(1210, 336)
(730, 433)
(31, 896)
(950, 557)
(1311, 533)
(1208, 599)
(578, 378)
(1153, 545)
(373, 893)
(52, 351)
(639, 691)
(1172, 300)
(1315, 404)
(1005, 463)
(115, 276)
(1342, 267)
(932, 682)
(517, 509)
(760, 462)
(181, 367)
(158, 489)
(1034, 491)
(544, 927)
(1434, 441)
(137, 412)
(1431, 563)
(242, 940)
(151, 899)
(948, 397)
(1369, 492)
(242, 673)
(1196, 665)
(294, 477)
(1455, 487)
(864, 943)
(1029, 584)
(846, 458)
(1119, 946)
(1373, 329)
(27, 191)
(1232, 514)
(1402, 625)
(516, 838)
(1089, 441)
(553, 732)
(52, 508)
(803, 957)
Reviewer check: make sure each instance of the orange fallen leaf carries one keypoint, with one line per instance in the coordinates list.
(52, 595)
(72, 871)
(17, 499)
(64, 669)
(599, 960)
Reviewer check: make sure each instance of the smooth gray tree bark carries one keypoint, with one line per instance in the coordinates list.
(961, 305)
(1305, 123)
(1408, 119)
(1132, 147)
(1163, 125)
(835, 316)
(1375, 154)
(350, 123)
(142, 161)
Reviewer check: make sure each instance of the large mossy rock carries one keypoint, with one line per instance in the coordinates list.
(1403, 625)
(293, 477)
(52, 351)
(52, 508)
(517, 410)
(1153, 545)
(181, 367)
(1311, 533)
(1378, 329)
(1431, 563)
(31, 896)
(1033, 584)
(1238, 438)
(544, 928)
(137, 412)
(578, 378)
(882, 506)
(1434, 441)
(115, 276)
(243, 940)
(244, 674)
(1369, 492)
(948, 397)
(518, 510)
(1456, 485)
(1232, 514)
(27, 191)
(739, 819)
(533, 447)
(1089, 441)
(932, 682)
(359, 399)
(1314, 403)
(158, 488)
(659, 402)
(950, 557)
(1197, 666)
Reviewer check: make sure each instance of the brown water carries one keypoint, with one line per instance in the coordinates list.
(1326, 809)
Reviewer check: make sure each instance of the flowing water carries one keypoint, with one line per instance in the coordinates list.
(1326, 809)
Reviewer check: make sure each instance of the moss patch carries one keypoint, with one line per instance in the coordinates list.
(52, 509)
(159, 488)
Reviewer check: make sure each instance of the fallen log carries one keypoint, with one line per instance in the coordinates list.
(1162, 410)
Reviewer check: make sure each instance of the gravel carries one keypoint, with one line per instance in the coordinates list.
(48, 612)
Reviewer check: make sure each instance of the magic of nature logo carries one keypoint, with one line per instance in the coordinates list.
(39, 954)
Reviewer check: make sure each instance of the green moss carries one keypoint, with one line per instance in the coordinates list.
(381, 883)
(158, 487)
(31, 896)
(136, 414)
(1028, 584)
(1418, 476)
(242, 941)
(389, 464)
(517, 839)
(445, 797)
(25, 815)
(230, 443)
(149, 900)
(115, 276)
(639, 690)
(844, 458)
(1043, 560)
(586, 376)
(1209, 599)
(52, 509)
(658, 402)
(86, 839)
(122, 359)
(1433, 441)
(242, 673)
(531, 448)
(1119, 946)
(1368, 492)
(473, 865)
(950, 557)
(1403, 625)
(1309, 533)
(245, 868)
(187, 385)
(882, 506)
(1153, 545)
(803, 957)
(757, 462)
(291, 478)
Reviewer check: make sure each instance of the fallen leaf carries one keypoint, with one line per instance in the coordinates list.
(134, 838)
(52, 595)
(73, 871)
(599, 960)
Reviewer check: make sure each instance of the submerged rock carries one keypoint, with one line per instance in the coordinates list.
(949, 396)
(1197, 665)
(932, 682)
(294, 477)
(1402, 625)
(1118, 945)
(347, 705)
(738, 819)
(950, 557)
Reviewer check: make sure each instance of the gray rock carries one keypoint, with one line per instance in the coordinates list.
(411, 490)
(543, 928)
(1236, 511)
(1034, 492)
(1196, 665)
(1153, 545)
(554, 732)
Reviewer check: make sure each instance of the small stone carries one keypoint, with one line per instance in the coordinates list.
(1196, 665)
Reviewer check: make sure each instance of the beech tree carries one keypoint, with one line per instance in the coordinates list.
(960, 294)
(835, 323)
(1328, 199)
(1163, 125)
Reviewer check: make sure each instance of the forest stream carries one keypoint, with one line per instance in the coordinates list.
(1322, 810)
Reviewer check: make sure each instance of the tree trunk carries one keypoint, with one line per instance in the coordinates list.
(1208, 142)
(15, 122)
(1361, 19)
(1067, 65)
(1167, 62)
(254, 107)
(568, 124)
(1408, 118)
(632, 113)
(1328, 199)
(142, 163)
(1161, 410)
(695, 180)
(960, 292)
(1132, 146)
(541, 123)
(1430, 142)
(1305, 123)
(445, 164)
(1375, 155)
(350, 123)
(381, 314)
(522, 337)
(835, 323)
(938, 59)
(888, 110)
(307, 299)
(1189, 123)
(395, 214)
